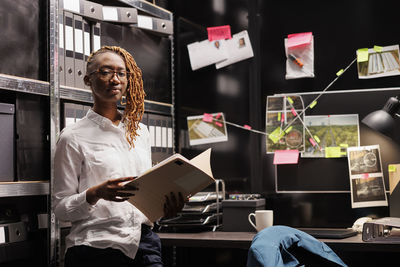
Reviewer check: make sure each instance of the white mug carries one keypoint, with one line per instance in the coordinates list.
(264, 218)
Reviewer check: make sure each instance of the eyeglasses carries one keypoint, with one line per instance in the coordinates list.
(109, 73)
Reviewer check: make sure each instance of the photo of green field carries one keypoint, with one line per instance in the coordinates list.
(331, 131)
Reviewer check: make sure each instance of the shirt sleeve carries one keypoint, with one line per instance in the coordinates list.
(68, 203)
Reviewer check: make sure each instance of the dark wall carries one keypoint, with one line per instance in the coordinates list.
(339, 29)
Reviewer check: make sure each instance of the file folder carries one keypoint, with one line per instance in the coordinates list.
(69, 49)
(61, 64)
(155, 24)
(78, 51)
(96, 41)
(120, 14)
(86, 45)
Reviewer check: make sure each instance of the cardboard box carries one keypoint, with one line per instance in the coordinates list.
(236, 212)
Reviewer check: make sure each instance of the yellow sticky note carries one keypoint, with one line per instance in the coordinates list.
(378, 48)
(290, 100)
(339, 72)
(362, 55)
(279, 117)
(313, 104)
(316, 139)
(392, 168)
(344, 145)
(289, 129)
(343, 153)
(333, 152)
(276, 135)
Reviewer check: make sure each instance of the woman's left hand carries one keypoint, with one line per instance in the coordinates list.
(173, 205)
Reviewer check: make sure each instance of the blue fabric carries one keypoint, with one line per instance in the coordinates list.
(270, 248)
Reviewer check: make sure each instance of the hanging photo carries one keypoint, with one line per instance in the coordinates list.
(366, 177)
(333, 133)
(284, 130)
(207, 128)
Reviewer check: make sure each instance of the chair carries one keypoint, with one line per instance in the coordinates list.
(282, 246)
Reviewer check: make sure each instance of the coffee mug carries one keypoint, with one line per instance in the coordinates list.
(264, 218)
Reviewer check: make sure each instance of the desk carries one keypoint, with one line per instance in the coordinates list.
(243, 240)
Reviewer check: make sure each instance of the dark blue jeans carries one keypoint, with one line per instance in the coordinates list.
(149, 254)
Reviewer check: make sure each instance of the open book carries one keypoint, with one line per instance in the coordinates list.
(174, 174)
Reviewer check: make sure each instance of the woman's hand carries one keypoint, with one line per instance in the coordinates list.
(173, 205)
(112, 190)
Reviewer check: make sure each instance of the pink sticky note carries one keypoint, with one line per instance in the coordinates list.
(293, 112)
(247, 127)
(207, 117)
(298, 39)
(283, 117)
(218, 115)
(218, 124)
(312, 142)
(219, 33)
(286, 157)
(365, 175)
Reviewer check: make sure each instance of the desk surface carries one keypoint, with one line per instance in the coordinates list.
(243, 240)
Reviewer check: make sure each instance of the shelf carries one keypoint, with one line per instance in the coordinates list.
(24, 85)
(85, 95)
(28, 188)
(149, 8)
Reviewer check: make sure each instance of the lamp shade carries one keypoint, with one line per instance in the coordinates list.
(380, 121)
(383, 120)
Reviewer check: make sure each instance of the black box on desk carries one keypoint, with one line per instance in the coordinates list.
(7, 142)
(236, 212)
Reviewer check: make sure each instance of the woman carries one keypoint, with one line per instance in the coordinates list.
(94, 158)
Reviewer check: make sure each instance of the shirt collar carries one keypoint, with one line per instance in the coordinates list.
(102, 121)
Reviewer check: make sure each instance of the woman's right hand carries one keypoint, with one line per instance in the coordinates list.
(112, 190)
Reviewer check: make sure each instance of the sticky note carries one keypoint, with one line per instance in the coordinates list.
(378, 48)
(218, 124)
(218, 115)
(289, 129)
(290, 100)
(283, 117)
(247, 127)
(362, 55)
(332, 152)
(279, 116)
(339, 72)
(392, 168)
(316, 139)
(293, 112)
(207, 117)
(344, 145)
(286, 157)
(219, 33)
(276, 135)
(313, 104)
(298, 39)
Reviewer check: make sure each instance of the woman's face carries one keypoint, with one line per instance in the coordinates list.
(107, 77)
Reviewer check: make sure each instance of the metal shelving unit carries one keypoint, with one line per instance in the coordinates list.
(56, 93)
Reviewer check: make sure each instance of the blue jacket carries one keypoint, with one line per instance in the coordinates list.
(270, 248)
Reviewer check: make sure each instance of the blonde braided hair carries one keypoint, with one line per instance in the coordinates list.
(135, 94)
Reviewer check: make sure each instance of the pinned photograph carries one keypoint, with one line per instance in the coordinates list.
(366, 177)
(284, 130)
(378, 62)
(205, 53)
(238, 49)
(368, 192)
(332, 133)
(207, 128)
(364, 159)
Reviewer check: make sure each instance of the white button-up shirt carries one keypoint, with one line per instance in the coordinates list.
(88, 153)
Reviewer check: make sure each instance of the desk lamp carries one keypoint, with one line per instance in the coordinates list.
(383, 120)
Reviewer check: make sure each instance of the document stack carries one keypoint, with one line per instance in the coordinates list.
(203, 212)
